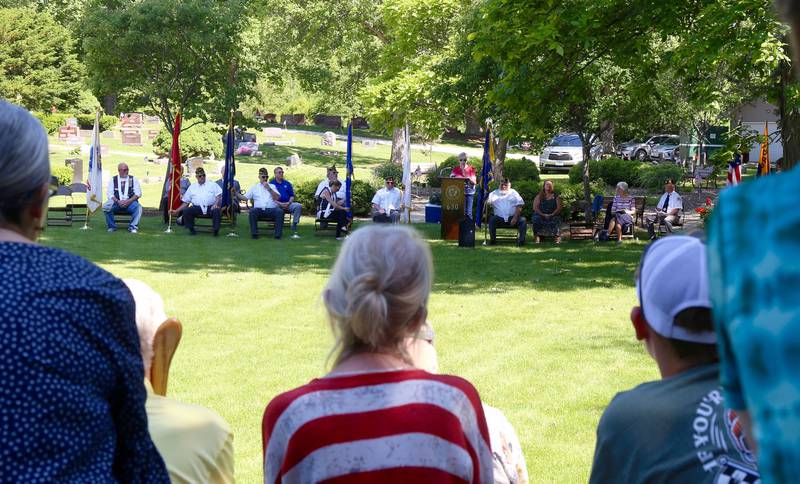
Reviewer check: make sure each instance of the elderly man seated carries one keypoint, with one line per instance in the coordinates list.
(195, 442)
(204, 198)
(667, 211)
(507, 205)
(265, 204)
(387, 203)
(124, 192)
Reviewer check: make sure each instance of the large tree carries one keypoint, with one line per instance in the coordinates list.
(37, 65)
(193, 55)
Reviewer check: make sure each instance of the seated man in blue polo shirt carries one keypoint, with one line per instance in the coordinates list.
(286, 201)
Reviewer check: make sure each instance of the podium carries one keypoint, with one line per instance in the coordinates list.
(452, 206)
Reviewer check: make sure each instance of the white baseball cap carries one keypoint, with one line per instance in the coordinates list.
(673, 276)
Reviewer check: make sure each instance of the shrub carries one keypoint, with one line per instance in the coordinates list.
(520, 170)
(390, 169)
(450, 163)
(199, 140)
(360, 191)
(63, 173)
(51, 122)
(653, 176)
(86, 121)
(572, 192)
(610, 170)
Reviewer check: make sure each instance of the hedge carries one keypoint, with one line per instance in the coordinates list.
(63, 173)
(653, 176)
(610, 170)
(360, 191)
(519, 170)
(388, 169)
(199, 140)
(53, 121)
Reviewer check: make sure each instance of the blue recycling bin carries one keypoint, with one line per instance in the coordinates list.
(433, 214)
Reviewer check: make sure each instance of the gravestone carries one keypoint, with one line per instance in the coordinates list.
(131, 137)
(294, 160)
(151, 134)
(71, 122)
(77, 169)
(369, 143)
(270, 117)
(132, 120)
(67, 132)
(86, 133)
(272, 132)
(293, 119)
(248, 137)
(152, 119)
(107, 134)
(360, 123)
(329, 139)
(328, 121)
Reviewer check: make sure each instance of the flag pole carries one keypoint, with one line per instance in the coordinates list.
(96, 153)
(231, 189)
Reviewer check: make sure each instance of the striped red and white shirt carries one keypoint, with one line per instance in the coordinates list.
(394, 426)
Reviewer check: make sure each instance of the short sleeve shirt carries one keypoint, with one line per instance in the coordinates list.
(202, 195)
(284, 188)
(388, 199)
(261, 197)
(675, 201)
(505, 203)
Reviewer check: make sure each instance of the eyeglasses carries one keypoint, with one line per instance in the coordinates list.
(462, 159)
(389, 182)
(200, 176)
(264, 177)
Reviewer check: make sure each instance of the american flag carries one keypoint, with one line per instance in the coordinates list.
(735, 171)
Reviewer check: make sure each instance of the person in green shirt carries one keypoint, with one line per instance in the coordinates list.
(676, 429)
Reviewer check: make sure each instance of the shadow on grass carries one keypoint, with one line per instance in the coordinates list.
(482, 270)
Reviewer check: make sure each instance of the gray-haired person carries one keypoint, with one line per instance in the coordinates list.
(71, 393)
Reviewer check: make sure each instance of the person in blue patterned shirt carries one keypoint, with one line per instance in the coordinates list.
(71, 391)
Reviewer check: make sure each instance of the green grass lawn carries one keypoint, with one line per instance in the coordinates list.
(541, 331)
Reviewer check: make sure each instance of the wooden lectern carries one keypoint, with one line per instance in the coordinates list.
(452, 206)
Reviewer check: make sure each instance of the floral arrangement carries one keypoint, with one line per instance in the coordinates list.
(706, 211)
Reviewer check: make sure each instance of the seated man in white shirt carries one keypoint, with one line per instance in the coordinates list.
(265, 205)
(507, 205)
(667, 211)
(204, 198)
(123, 195)
(387, 203)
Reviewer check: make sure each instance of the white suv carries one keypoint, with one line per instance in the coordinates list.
(561, 153)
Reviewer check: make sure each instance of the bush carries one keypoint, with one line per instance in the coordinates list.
(610, 170)
(450, 163)
(199, 140)
(572, 192)
(86, 121)
(520, 170)
(653, 176)
(63, 173)
(51, 122)
(361, 193)
(388, 169)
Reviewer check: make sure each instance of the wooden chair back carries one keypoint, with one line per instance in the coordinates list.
(165, 342)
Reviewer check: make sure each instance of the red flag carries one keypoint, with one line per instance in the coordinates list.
(177, 166)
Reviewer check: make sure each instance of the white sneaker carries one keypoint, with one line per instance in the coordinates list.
(111, 230)
(295, 236)
(133, 230)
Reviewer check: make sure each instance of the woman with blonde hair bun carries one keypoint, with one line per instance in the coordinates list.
(374, 416)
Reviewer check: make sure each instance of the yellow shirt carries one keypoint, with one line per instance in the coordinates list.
(195, 442)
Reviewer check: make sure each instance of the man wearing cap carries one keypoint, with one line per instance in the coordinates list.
(236, 196)
(204, 198)
(676, 429)
(667, 210)
(265, 204)
(387, 203)
(332, 175)
(507, 206)
(286, 198)
(123, 195)
(467, 172)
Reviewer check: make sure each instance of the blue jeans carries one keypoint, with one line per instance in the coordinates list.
(134, 209)
(468, 198)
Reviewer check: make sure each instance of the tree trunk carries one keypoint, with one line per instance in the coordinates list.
(500, 159)
(110, 104)
(789, 121)
(397, 145)
(473, 124)
(587, 193)
(607, 137)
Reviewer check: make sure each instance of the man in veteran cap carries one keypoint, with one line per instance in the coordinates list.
(678, 428)
(201, 198)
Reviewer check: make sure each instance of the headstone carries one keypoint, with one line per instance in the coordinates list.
(329, 139)
(133, 120)
(369, 143)
(294, 160)
(328, 121)
(360, 123)
(131, 137)
(249, 137)
(151, 134)
(74, 141)
(107, 134)
(67, 132)
(152, 119)
(193, 164)
(293, 119)
(86, 133)
(273, 132)
(270, 117)
(77, 169)
(71, 122)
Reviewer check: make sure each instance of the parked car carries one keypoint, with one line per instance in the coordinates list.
(642, 149)
(667, 151)
(563, 152)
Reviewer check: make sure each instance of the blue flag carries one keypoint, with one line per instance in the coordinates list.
(349, 168)
(230, 172)
(486, 174)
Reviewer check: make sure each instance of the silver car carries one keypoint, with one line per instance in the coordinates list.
(667, 151)
(563, 152)
(642, 150)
